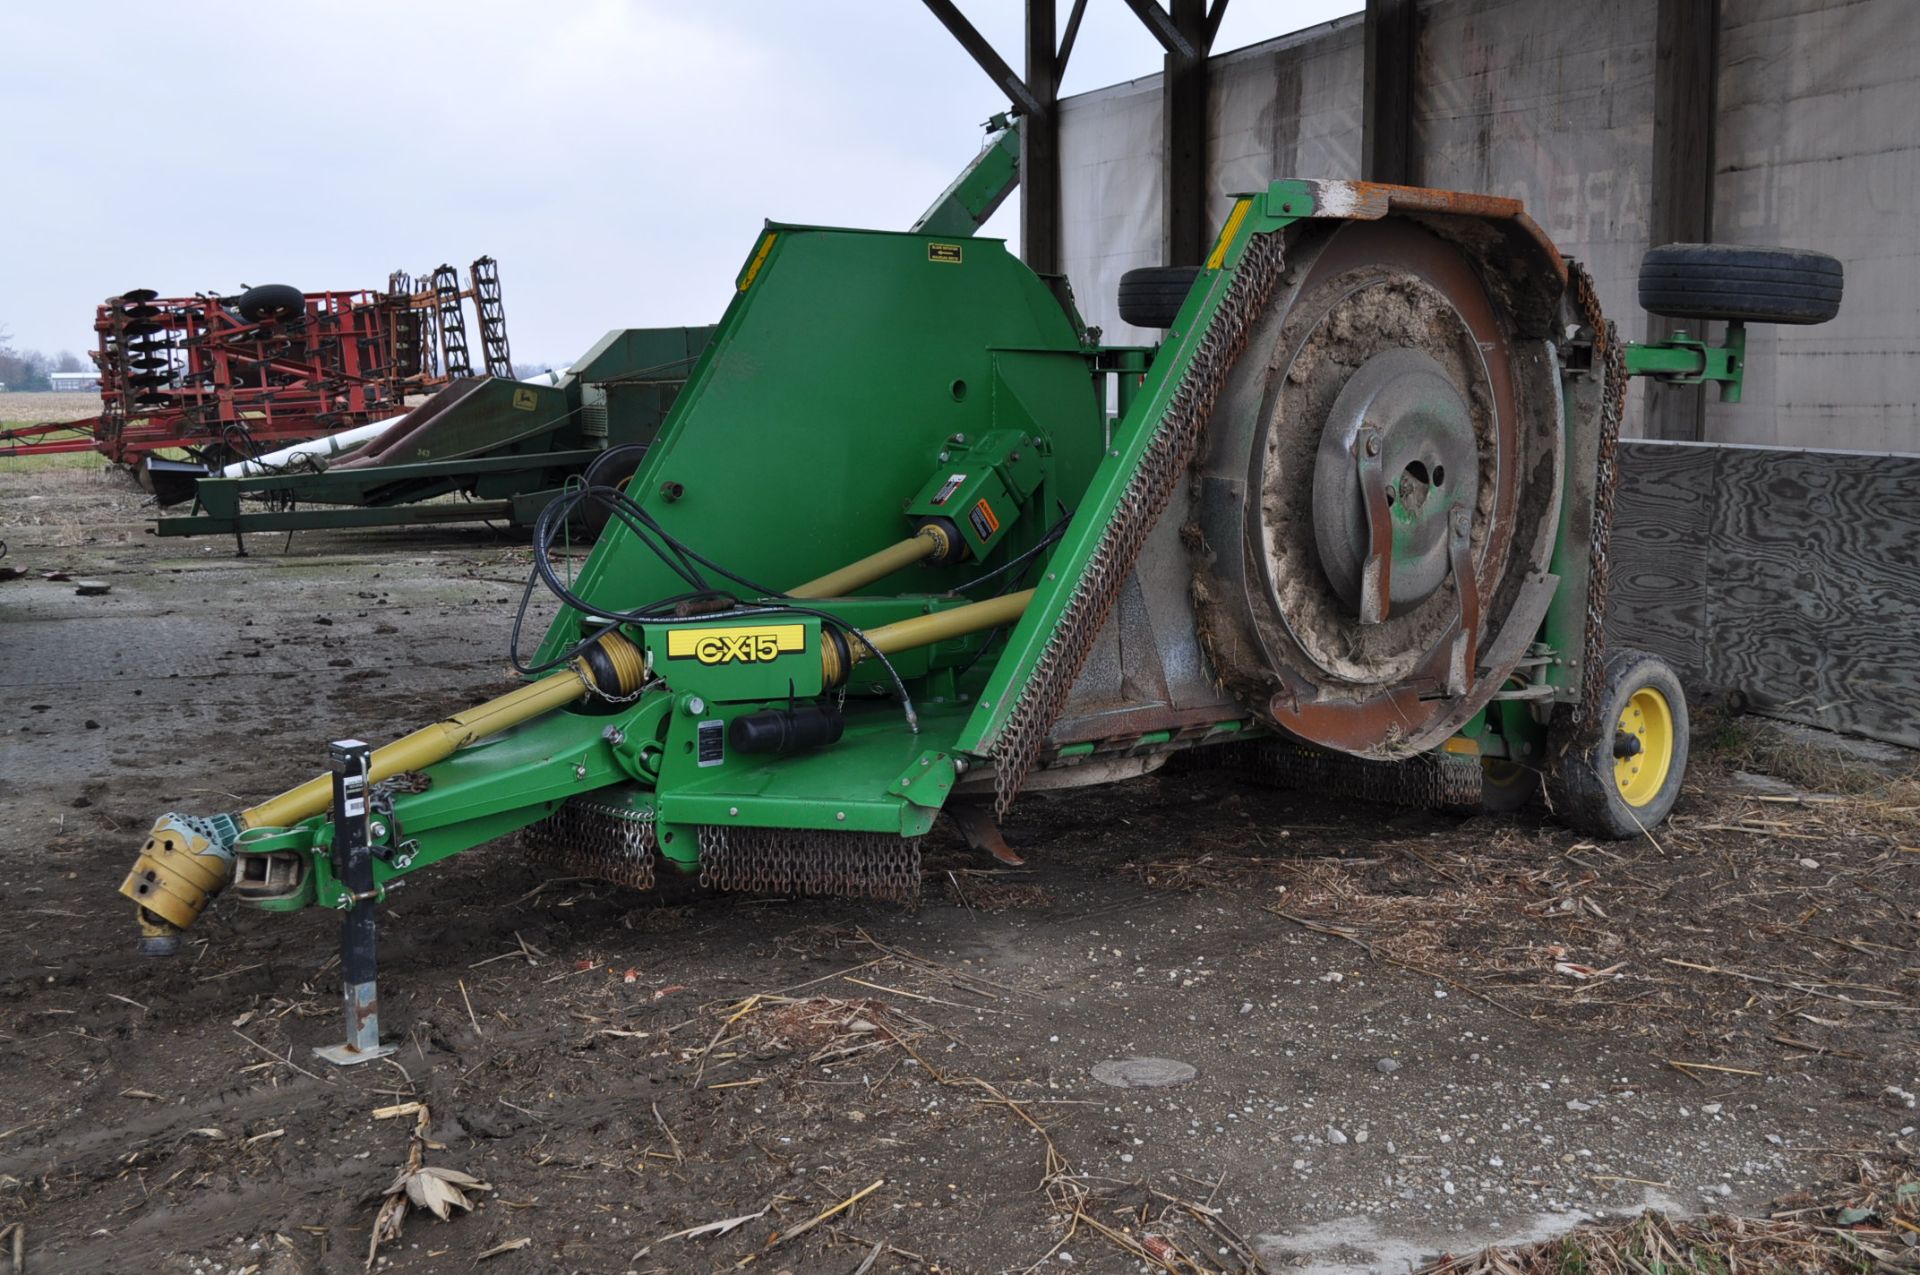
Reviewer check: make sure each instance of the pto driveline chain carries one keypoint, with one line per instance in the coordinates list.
(804, 861)
(1610, 354)
(1161, 468)
(593, 839)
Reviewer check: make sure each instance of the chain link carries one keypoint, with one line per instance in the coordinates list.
(804, 861)
(1148, 491)
(1609, 356)
(594, 839)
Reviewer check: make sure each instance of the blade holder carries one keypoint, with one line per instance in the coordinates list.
(351, 761)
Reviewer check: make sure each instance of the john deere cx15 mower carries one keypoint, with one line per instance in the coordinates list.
(913, 540)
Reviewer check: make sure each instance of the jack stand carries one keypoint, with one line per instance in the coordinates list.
(353, 862)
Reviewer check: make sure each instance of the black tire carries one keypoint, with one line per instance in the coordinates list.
(611, 468)
(271, 301)
(1507, 787)
(1151, 296)
(1727, 281)
(1593, 785)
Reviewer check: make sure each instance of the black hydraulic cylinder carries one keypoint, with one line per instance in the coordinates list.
(786, 730)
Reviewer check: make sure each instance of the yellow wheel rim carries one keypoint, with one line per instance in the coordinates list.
(1648, 718)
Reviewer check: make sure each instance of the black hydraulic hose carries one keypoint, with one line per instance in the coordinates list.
(632, 515)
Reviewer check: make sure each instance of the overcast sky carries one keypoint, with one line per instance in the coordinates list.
(616, 156)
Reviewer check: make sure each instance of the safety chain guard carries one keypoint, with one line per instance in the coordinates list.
(1610, 353)
(1161, 468)
(802, 861)
(594, 839)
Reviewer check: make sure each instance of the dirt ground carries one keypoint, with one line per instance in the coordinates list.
(1412, 1034)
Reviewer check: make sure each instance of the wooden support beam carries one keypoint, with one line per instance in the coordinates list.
(1073, 33)
(1184, 125)
(1040, 141)
(991, 62)
(1214, 15)
(1174, 36)
(1386, 126)
(1685, 71)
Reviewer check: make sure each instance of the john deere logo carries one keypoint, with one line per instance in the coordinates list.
(736, 645)
(525, 400)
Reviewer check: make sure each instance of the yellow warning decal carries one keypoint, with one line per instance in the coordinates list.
(525, 400)
(985, 522)
(945, 252)
(741, 645)
(1219, 254)
(759, 259)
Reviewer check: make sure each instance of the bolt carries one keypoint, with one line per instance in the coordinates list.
(943, 458)
(696, 705)
(734, 811)
(377, 828)
(579, 770)
(959, 438)
(614, 735)
(840, 816)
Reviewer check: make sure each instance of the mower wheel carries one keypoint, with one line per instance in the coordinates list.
(271, 301)
(1506, 786)
(614, 467)
(1151, 296)
(1622, 779)
(1727, 281)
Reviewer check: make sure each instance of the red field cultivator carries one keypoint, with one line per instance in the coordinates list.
(225, 377)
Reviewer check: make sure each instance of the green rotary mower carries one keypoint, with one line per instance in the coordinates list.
(912, 540)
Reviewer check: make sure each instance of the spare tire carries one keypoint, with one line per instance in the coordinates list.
(1729, 281)
(1151, 296)
(271, 301)
(614, 467)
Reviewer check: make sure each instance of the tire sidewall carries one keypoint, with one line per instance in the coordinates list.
(1627, 672)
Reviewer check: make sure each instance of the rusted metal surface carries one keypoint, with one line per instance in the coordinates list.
(195, 373)
(982, 831)
(1376, 575)
(1371, 201)
(1279, 660)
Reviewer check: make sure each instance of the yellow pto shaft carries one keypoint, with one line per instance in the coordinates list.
(931, 541)
(921, 630)
(186, 861)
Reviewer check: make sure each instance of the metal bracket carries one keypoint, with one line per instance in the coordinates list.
(1376, 575)
(1460, 561)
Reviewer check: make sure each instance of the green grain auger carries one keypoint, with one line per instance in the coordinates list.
(913, 540)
